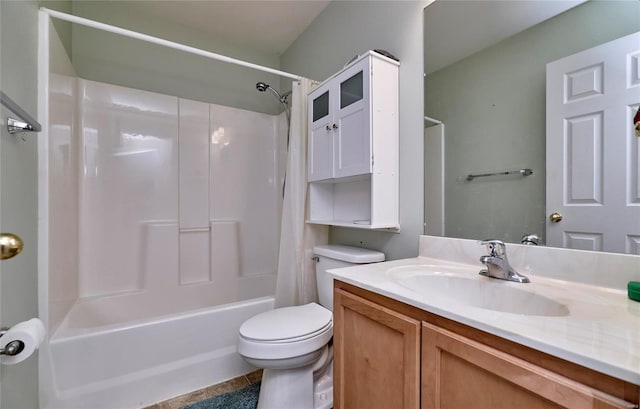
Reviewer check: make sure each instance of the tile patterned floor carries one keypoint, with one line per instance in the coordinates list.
(210, 391)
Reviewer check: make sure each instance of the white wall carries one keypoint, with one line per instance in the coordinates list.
(347, 28)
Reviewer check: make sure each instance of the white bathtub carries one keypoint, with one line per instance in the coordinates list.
(140, 363)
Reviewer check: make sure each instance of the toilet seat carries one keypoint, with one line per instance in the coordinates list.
(286, 332)
(287, 324)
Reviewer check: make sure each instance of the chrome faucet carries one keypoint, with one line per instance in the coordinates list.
(498, 264)
(531, 239)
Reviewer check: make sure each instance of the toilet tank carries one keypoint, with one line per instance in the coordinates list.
(336, 256)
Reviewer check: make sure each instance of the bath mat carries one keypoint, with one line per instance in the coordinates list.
(245, 398)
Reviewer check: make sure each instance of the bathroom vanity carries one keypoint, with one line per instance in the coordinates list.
(431, 333)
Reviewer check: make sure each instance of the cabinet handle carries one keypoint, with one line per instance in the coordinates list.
(335, 126)
(328, 128)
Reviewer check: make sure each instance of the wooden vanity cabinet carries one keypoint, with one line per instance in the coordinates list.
(391, 355)
(376, 355)
(458, 372)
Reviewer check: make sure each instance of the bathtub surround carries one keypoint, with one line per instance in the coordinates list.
(196, 250)
(161, 224)
(153, 181)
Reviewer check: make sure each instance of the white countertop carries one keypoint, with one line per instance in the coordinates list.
(601, 332)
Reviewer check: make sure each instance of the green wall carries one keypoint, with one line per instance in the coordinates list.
(62, 27)
(347, 28)
(18, 193)
(114, 59)
(493, 106)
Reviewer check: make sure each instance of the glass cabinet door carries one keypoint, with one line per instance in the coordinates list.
(320, 107)
(351, 90)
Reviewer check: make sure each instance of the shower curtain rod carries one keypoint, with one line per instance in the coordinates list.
(155, 40)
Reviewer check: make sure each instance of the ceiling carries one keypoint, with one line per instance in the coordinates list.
(456, 29)
(271, 26)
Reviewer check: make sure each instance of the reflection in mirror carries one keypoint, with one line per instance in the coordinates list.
(486, 111)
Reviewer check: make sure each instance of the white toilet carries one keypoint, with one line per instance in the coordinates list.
(292, 344)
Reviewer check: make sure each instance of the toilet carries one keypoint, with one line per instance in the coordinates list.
(292, 344)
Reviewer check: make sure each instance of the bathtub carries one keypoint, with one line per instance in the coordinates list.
(142, 362)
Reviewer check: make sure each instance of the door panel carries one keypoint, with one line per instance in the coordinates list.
(352, 154)
(584, 154)
(592, 152)
(353, 149)
(377, 354)
(458, 372)
(320, 150)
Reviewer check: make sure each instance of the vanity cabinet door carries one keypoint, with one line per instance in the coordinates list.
(461, 373)
(376, 356)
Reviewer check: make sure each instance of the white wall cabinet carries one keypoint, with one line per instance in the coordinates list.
(353, 146)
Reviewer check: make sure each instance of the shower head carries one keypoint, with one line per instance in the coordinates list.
(283, 99)
(262, 87)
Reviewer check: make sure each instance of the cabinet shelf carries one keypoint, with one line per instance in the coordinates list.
(345, 223)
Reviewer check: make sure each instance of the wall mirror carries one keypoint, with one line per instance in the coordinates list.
(486, 112)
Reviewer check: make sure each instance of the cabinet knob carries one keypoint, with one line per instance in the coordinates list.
(328, 128)
(335, 126)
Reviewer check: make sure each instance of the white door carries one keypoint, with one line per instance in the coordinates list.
(593, 175)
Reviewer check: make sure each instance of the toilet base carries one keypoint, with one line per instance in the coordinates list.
(323, 390)
(309, 387)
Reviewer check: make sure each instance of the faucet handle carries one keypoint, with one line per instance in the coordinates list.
(496, 248)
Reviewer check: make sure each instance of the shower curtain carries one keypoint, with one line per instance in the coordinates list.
(295, 283)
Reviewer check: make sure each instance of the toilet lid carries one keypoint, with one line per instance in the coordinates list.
(287, 323)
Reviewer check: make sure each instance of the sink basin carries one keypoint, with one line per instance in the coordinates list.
(477, 291)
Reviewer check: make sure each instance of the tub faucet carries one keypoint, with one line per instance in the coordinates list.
(498, 264)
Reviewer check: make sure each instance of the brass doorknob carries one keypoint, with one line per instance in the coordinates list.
(555, 217)
(10, 245)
